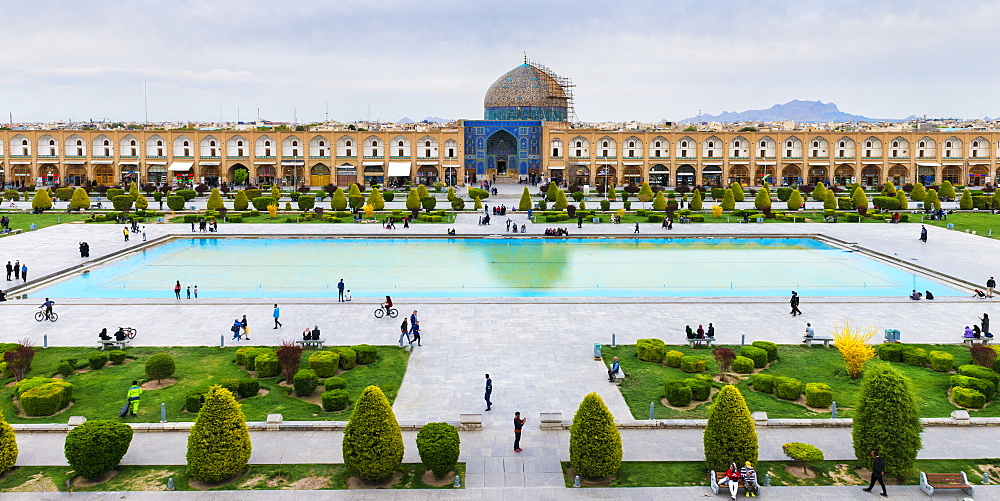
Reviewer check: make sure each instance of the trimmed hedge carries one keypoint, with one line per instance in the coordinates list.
(267, 365)
(46, 399)
(758, 355)
(673, 358)
(65, 369)
(366, 354)
(763, 383)
(247, 387)
(678, 393)
(787, 388)
(692, 364)
(159, 366)
(439, 445)
(241, 353)
(193, 401)
(650, 350)
(769, 347)
(942, 361)
(117, 357)
(98, 360)
(915, 356)
(967, 397)
(818, 395)
(335, 400)
(701, 390)
(890, 352)
(335, 383)
(325, 363)
(981, 373)
(250, 357)
(96, 447)
(305, 382)
(8, 445)
(983, 386)
(348, 357)
(742, 365)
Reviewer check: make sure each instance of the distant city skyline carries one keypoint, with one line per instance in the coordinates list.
(640, 60)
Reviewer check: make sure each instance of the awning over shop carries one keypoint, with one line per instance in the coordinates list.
(128, 163)
(712, 169)
(78, 163)
(953, 163)
(819, 163)
(928, 164)
(156, 163)
(765, 163)
(293, 162)
(209, 163)
(631, 163)
(372, 163)
(451, 166)
(102, 162)
(426, 162)
(712, 163)
(399, 169)
(580, 163)
(180, 166)
(556, 167)
(20, 163)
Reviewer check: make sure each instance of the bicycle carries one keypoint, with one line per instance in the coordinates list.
(129, 332)
(41, 316)
(381, 311)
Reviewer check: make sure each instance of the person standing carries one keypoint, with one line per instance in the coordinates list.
(24, 273)
(143, 233)
(196, 292)
(794, 301)
(133, 398)
(125, 232)
(340, 290)
(189, 292)
(413, 320)
(878, 471)
(17, 270)
(923, 233)
(11, 268)
(243, 322)
(177, 289)
(613, 371)
(276, 315)
(518, 423)
(636, 228)
(82, 253)
(990, 285)
(489, 391)
(985, 323)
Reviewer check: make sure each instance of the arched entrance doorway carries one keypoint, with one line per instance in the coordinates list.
(817, 174)
(659, 175)
(897, 175)
(977, 175)
(501, 153)
(293, 175)
(104, 175)
(843, 175)
(791, 175)
(764, 174)
(427, 174)
(347, 175)
(265, 174)
(374, 175)
(319, 175)
(451, 176)
(3, 178)
(685, 175)
(210, 175)
(606, 174)
(76, 175)
(926, 174)
(870, 175)
(739, 174)
(712, 176)
(952, 174)
(21, 175)
(49, 174)
(238, 167)
(129, 173)
(632, 175)
(580, 175)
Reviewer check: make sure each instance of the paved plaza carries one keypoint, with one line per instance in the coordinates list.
(538, 351)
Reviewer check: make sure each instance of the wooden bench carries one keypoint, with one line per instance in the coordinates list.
(111, 342)
(714, 479)
(971, 341)
(929, 482)
(695, 342)
(311, 343)
(825, 340)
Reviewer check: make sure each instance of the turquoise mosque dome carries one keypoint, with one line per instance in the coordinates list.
(527, 92)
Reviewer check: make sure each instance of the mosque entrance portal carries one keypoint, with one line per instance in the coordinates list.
(501, 150)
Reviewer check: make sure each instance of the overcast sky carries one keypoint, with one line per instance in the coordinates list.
(630, 60)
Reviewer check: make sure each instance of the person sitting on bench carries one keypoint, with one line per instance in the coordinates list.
(306, 334)
(690, 333)
(976, 332)
(120, 335)
(929, 296)
(810, 333)
(104, 335)
(315, 333)
(701, 332)
(710, 333)
(915, 296)
(613, 371)
(969, 333)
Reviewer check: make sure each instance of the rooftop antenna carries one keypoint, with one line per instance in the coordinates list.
(295, 116)
(237, 114)
(145, 103)
(327, 111)
(258, 113)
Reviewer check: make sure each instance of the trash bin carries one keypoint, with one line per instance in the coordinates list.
(33, 227)
(892, 335)
(159, 220)
(596, 220)
(760, 220)
(951, 226)
(192, 207)
(597, 351)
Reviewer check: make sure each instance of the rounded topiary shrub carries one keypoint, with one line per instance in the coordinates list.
(335, 400)
(915, 356)
(942, 361)
(325, 363)
(241, 355)
(96, 447)
(819, 395)
(47, 399)
(230, 384)
(438, 445)
(890, 352)
(673, 358)
(981, 385)
(366, 354)
(247, 387)
(981, 373)
(8, 445)
(373, 443)
(595, 445)
(742, 365)
(117, 357)
(335, 383)
(267, 365)
(98, 360)
(250, 357)
(692, 364)
(678, 393)
(730, 435)
(193, 401)
(65, 368)
(159, 366)
(763, 383)
(701, 390)
(967, 397)
(219, 443)
(769, 347)
(758, 355)
(348, 357)
(787, 388)
(304, 382)
(650, 350)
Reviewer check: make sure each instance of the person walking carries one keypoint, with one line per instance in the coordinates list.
(17, 270)
(878, 471)
(143, 233)
(990, 285)
(636, 228)
(237, 326)
(133, 398)
(923, 233)
(404, 330)
(518, 423)
(24, 273)
(413, 320)
(340, 290)
(489, 391)
(794, 301)
(243, 322)
(177, 289)
(276, 315)
(11, 268)
(416, 333)
(125, 232)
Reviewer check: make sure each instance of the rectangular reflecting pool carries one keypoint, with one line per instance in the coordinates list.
(485, 267)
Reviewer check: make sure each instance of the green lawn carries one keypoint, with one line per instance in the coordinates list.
(100, 394)
(256, 477)
(51, 218)
(980, 222)
(644, 382)
(689, 473)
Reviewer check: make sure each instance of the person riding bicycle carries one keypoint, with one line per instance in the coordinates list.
(120, 334)
(48, 306)
(387, 304)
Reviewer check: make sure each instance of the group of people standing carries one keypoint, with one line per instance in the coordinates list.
(20, 271)
(178, 288)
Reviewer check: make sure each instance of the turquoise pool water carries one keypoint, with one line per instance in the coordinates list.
(477, 267)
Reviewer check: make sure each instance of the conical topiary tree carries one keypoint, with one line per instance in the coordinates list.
(422, 191)
(476, 204)
(595, 445)
(932, 200)
(42, 200)
(338, 201)
(375, 199)
(763, 199)
(240, 203)
(80, 199)
(561, 202)
(141, 202)
(794, 200)
(996, 199)
(214, 200)
(965, 203)
(819, 193)
(888, 189)
(219, 444)
(738, 193)
(831, 200)
(918, 193)
(696, 201)
(659, 201)
(730, 436)
(133, 190)
(886, 420)
(8, 445)
(373, 443)
(354, 197)
(860, 200)
(550, 192)
(729, 200)
(525, 203)
(947, 191)
(413, 200)
(275, 192)
(901, 198)
(645, 194)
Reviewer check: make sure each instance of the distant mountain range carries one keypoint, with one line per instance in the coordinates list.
(795, 110)
(431, 120)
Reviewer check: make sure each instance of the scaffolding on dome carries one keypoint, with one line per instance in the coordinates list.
(565, 85)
